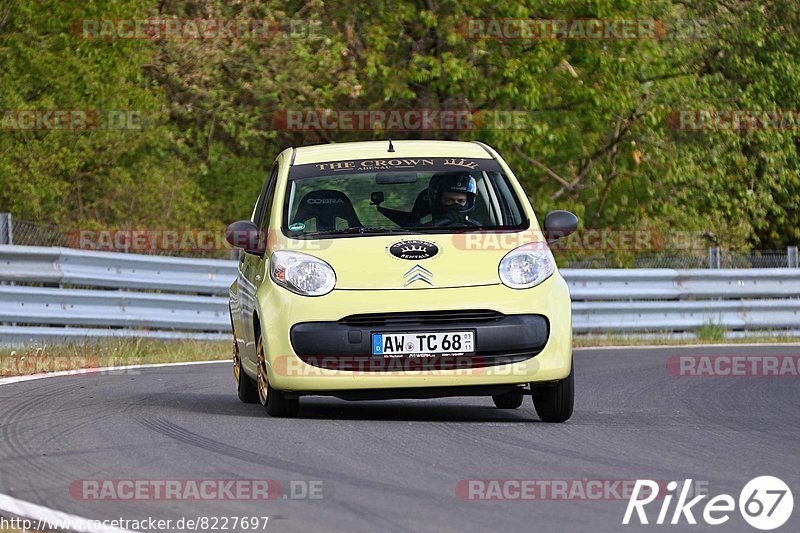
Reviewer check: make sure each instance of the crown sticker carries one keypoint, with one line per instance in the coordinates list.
(413, 250)
(472, 165)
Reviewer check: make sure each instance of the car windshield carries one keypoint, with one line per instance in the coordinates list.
(389, 196)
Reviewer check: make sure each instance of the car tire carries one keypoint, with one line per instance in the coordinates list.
(274, 402)
(554, 401)
(248, 393)
(508, 400)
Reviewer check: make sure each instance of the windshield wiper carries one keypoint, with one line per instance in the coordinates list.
(357, 230)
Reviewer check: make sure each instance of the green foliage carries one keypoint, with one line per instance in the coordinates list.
(710, 332)
(598, 140)
(115, 177)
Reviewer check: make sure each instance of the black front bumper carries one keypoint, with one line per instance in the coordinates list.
(346, 344)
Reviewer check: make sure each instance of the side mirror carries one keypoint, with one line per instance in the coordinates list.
(559, 224)
(245, 234)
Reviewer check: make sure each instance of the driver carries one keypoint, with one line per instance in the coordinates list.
(452, 199)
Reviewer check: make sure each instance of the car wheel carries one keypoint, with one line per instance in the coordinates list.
(554, 401)
(244, 385)
(274, 402)
(508, 400)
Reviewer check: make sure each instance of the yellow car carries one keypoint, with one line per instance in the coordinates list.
(405, 269)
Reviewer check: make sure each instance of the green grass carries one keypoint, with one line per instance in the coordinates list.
(711, 332)
(36, 358)
(707, 338)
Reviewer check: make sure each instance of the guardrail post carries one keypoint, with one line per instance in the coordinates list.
(6, 229)
(713, 257)
(792, 257)
(6, 237)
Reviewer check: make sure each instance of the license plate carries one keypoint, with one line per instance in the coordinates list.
(451, 342)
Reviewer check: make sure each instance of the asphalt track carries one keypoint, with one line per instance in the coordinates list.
(394, 465)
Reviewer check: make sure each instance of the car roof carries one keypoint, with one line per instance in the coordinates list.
(379, 149)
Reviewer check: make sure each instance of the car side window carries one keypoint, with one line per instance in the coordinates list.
(265, 200)
(270, 198)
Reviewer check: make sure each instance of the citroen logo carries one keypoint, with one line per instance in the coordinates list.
(417, 273)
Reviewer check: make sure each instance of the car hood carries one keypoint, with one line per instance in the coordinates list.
(413, 262)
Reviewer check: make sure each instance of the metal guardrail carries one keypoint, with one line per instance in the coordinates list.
(65, 266)
(602, 317)
(104, 294)
(667, 284)
(666, 300)
(71, 307)
(116, 294)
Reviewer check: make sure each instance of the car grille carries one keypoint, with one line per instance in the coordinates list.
(421, 318)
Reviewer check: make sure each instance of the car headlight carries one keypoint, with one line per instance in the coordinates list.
(527, 266)
(302, 273)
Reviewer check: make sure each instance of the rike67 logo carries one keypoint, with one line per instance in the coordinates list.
(765, 503)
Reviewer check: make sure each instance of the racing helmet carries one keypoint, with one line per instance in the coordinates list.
(461, 182)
